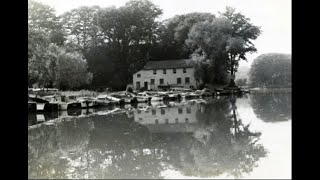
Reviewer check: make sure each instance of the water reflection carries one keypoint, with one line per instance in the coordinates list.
(272, 107)
(197, 139)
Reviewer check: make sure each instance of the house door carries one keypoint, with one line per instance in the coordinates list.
(137, 85)
(146, 85)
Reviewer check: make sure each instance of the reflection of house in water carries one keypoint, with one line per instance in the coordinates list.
(169, 119)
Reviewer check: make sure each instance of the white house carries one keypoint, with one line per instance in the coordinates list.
(177, 73)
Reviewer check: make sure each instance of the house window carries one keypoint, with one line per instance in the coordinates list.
(178, 80)
(188, 110)
(167, 121)
(187, 80)
(163, 111)
(157, 121)
(174, 71)
(153, 112)
(161, 81)
(138, 75)
(187, 120)
(154, 71)
(184, 70)
(180, 110)
(140, 119)
(152, 82)
(177, 120)
(164, 71)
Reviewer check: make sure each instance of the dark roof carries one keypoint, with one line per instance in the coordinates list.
(168, 64)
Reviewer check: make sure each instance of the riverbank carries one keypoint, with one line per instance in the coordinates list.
(270, 89)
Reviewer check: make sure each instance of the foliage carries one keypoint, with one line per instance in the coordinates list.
(174, 32)
(225, 41)
(271, 69)
(129, 31)
(50, 63)
(209, 40)
(117, 42)
(57, 68)
(71, 69)
(81, 26)
(42, 17)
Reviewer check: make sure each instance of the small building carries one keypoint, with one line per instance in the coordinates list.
(173, 73)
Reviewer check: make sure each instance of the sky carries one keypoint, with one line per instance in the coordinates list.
(273, 16)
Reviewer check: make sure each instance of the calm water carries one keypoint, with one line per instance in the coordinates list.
(243, 137)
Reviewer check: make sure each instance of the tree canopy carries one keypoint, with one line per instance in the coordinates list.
(273, 69)
(223, 42)
(117, 42)
(50, 62)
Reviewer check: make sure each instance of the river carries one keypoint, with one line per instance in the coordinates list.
(221, 137)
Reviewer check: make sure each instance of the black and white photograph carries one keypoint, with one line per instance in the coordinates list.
(159, 89)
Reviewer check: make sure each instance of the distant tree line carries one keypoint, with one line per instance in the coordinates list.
(271, 70)
(93, 46)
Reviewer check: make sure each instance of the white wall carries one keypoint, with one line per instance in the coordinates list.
(169, 78)
(172, 113)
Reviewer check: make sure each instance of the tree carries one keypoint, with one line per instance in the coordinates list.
(129, 32)
(273, 69)
(209, 41)
(44, 28)
(81, 26)
(225, 41)
(71, 69)
(240, 41)
(173, 33)
(37, 44)
(42, 17)
(100, 64)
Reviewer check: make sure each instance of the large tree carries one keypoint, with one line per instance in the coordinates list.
(240, 41)
(130, 31)
(224, 41)
(173, 33)
(42, 22)
(68, 69)
(209, 41)
(81, 25)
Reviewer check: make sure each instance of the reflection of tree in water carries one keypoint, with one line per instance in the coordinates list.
(272, 107)
(120, 150)
(115, 146)
(101, 147)
(48, 143)
(224, 144)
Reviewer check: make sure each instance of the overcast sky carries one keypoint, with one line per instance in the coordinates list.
(273, 16)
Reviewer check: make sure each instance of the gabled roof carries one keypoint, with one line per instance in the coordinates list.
(168, 64)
